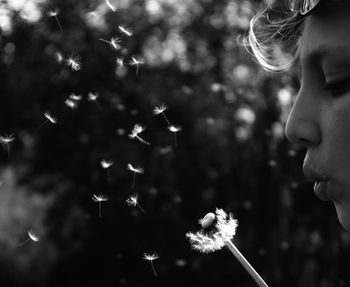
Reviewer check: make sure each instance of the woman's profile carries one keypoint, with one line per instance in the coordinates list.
(314, 34)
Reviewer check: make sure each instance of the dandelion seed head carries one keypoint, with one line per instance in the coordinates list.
(75, 97)
(99, 197)
(74, 63)
(106, 163)
(92, 96)
(224, 230)
(50, 118)
(159, 109)
(71, 104)
(125, 30)
(7, 139)
(174, 129)
(150, 257)
(137, 129)
(33, 236)
(136, 61)
(132, 200)
(53, 12)
(115, 43)
(135, 169)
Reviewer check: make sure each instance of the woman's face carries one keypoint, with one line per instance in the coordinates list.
(320, 117)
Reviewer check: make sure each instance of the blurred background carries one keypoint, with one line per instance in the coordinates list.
(77, 76)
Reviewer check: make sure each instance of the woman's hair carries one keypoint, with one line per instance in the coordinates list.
(274, 36)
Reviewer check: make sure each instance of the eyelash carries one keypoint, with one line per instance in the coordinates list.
(338, 88)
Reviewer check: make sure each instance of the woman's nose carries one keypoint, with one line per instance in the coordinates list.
(303, 122)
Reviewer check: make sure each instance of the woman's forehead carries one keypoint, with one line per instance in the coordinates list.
(325, 31)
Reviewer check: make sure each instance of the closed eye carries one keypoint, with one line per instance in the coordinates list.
(338, 88)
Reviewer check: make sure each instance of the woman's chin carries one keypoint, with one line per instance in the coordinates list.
(343, 213)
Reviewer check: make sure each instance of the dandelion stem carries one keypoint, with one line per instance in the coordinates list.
(58, 23)
(246, 264)
(8, 150)
(108, 175)
(142, 140)
(24, 242)
(100, 209)
(154, 271)
(42, 124)
(166, 119)
(141, 208)
(133, 181)
(97, 104)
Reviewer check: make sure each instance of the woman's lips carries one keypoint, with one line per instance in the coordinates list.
(322, 190)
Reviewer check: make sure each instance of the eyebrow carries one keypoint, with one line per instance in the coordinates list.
(323, 51)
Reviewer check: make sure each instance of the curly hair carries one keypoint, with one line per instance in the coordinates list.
(274, 35)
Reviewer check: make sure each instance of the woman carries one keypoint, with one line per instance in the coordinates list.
(316, 35)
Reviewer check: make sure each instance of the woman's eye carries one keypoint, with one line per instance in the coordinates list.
(338, 88)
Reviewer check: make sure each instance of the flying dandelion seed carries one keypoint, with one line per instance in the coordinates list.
(49, 118)
(74, 62)
(71, 104)
(136, 61)
(54, 13)
(124, 30)
(92, 97)
(99, 198)
(120, 62)
(75, 97)
(175, 130)
(133, 201)
(114, 42)
(112, 7)
(106, 164)
(135, 171)
(151, 258)
(6, 140)
(160, 110)
(223, 228)
(137, 129)
(31, 237)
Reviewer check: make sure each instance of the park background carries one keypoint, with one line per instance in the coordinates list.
(231, 151)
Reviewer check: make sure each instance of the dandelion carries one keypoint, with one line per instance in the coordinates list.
(223, 228)
(6, 140)
(137, 129)
(106, 164)
(54, 13)
(114, 42)
(124, 30)
(31, 236)
(49, 118)
(133, 201)
(160, 110)
(99, 198)
(136, 61)
(71, 104)
(93, 98)
(113, 8)
(75, 97)
(175, 130)
(74, 63)
(151, 257)
(135, 171)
